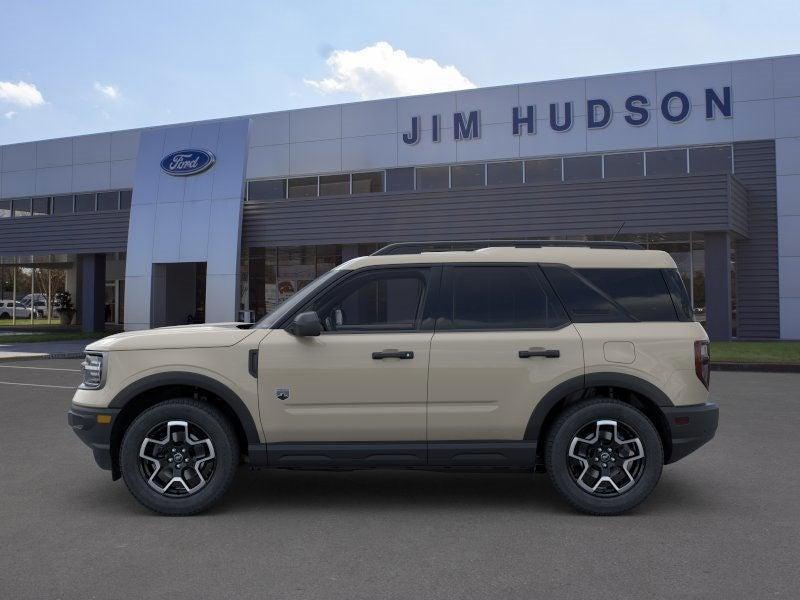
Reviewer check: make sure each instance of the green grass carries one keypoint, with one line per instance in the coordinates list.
(54, 336)
(756, 352)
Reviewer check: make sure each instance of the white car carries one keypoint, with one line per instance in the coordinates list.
(11, 308)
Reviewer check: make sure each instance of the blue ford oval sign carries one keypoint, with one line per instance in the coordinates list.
(187, 162)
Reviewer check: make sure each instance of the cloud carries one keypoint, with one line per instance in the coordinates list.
(109, 91)
(20, 93)
(380, 71)
(10, 114)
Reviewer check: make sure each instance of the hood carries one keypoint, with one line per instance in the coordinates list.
(210, 335)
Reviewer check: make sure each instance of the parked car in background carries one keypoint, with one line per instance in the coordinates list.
(39, 305)
(14, 308)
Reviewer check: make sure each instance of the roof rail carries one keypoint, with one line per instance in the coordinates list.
(444, 246)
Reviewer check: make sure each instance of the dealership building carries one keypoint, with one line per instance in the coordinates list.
(221, 220)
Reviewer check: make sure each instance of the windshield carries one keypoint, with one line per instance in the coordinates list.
(281, 311)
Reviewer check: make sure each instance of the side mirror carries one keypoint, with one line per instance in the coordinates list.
(306, 324)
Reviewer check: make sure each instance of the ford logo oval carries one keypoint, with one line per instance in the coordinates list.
(187, 162)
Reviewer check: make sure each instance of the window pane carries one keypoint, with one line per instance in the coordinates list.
(5, 209)
(84, 202)
(642, 292)
(108, 201)
(272, 189)
(715, 159)
(303, 187)
(125, 199)
(584, 303)
(468, 175)
(334, 185)
(296, 269)
(367, 183)
(577, 168)
(385, 301)
(41, 206)
(22, 207)
(328, 257)
(543, 171)
(62, 205)
(400, 180)
(433, 178)
(502, 298)
(666, 162)
(504, 173)
(624, 165)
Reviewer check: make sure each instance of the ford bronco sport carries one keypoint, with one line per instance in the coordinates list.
(579, 359)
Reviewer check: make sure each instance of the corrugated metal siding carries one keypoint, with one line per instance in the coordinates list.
(56, 234)
(757, 256)
(674, 204)
(739, 207)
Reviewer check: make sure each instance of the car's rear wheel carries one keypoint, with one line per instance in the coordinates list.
(179, 457)
(604, 456)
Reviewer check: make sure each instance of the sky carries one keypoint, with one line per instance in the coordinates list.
(71, 68)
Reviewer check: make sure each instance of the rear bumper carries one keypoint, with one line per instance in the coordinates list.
(96, 435)
(690, 427)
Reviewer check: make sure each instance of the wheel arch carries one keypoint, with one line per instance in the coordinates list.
(149, 391)
(628, 388)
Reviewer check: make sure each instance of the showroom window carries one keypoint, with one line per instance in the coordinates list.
(303, 187)
(5, 209)
(41, 206)
(711, 159)
(581, 168)
(463, 176)
(270, 189)
(547, 170)
(84, 203)
(433, 178)
(400, 180)
(22, 207)
(125, 197)
(666, 162)
(108, 201)
(368, 183)
(62, 205)
(334, 185)
(629, 164)
(504, 173)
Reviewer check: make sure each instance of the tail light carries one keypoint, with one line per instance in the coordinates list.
(702, 362)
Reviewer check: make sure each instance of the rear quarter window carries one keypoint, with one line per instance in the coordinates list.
(644, 293)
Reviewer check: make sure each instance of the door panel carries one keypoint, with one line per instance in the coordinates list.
(480, 388)
(336, 391)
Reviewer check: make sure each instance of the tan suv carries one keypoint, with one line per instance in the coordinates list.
(581, 359)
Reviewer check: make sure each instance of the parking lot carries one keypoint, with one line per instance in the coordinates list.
(723, 523)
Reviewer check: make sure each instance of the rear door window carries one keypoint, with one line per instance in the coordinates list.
(499, 298)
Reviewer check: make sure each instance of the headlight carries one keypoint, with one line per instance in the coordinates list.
(93, 371)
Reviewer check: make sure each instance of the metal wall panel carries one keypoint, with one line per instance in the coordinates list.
(59, 234)
(674, 204)
(757, 257)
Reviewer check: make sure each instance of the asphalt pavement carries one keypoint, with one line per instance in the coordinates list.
(722, 523)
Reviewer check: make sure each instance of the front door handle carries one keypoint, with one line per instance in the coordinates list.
(534, 352)
(401, 354)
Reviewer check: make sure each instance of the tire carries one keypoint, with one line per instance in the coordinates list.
(195, 436)
(5, 315)
(590, 469)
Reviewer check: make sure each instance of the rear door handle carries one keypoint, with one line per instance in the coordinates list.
(534, 352)
(401, 354)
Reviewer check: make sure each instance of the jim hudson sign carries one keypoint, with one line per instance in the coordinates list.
(674, 106)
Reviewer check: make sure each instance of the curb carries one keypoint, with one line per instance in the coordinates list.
(759, 367)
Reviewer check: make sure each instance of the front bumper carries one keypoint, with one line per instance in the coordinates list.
(93, 426)
(690, 427)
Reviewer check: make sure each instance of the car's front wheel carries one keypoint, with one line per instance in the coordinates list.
(179, 457)
(604, 456)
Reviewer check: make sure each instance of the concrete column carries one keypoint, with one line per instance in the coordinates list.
(718, 286)
(93, 291)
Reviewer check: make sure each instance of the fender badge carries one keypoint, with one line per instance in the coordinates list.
(282, 393)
